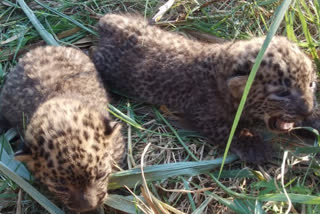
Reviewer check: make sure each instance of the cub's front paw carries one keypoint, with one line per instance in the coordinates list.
(251, 148)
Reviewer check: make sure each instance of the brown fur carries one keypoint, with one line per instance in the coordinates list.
(205, 81)
(70, 140)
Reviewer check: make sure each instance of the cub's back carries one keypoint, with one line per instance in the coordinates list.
(46, 72)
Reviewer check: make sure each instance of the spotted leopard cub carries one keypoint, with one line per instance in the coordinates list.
(205, 81)
(70, 141)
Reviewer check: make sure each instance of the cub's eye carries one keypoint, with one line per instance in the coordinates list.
(313, 85)
(283, 93)
(100, 175)
(287, 82)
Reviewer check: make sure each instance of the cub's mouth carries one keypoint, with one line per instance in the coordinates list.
(277, 124)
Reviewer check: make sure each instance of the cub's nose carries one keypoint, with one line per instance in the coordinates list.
(305, 108)
(82, 202)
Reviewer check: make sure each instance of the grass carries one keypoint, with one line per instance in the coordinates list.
(176, 181)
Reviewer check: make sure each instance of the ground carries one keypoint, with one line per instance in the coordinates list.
(154, 136)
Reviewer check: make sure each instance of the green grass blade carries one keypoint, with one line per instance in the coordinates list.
(233, 205)
(176, 134)
(258, 208)
(244, 206)
(187, 187)
(125, 204)
(45, 35)
(118, 114)
(204, 204)
(5, 139)
(307, 34)
(316, 8)
(6, 158)
(308, 13)
(314, 131)
(274, 26)
(159, 172)
(230, 192)
(295, 198)
(75, 22)
(43, 201)
(1, 73)
(240, 206)
(307, 150)
(11, 4)
(289, 18)
(236, 173)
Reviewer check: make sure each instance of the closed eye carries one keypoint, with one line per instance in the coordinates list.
(283, 93)
(101, 175)
(61, 189)
(101, 196)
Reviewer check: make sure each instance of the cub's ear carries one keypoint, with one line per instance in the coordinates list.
(111, 126)
(24, 154)
(236, 85)
(115, 126)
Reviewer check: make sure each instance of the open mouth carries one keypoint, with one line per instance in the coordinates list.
(279, 125)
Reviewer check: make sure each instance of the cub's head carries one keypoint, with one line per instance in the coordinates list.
(71, 148)
(283, 92)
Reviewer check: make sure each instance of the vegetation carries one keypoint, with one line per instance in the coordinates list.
(170, 169)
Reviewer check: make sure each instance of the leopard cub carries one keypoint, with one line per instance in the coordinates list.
(205, 82)
(70, 141)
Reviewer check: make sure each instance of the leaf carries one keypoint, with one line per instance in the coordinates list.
(14, 169)
(68, 18)
(191, 201)
(123, 203)
(289, 18)
(203, 205)
(118, 114)
(1, 72)
(132, 177)
(258, 208)
(45, 35)
(12, 38)
(37, 196)
(295, 198)
(306, 32)
(307, 150)
(10, 162)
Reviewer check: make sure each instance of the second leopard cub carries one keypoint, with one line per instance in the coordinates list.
(205, 81)
(71, 142)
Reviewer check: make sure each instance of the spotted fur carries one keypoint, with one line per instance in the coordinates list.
(205, 81)
(70, 141)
